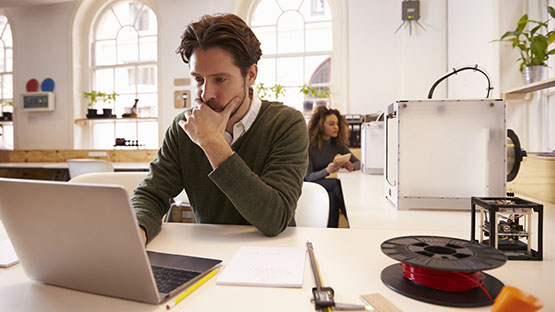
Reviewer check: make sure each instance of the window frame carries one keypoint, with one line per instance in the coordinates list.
(136, 67)
(275, 57)
(340, 56)
(7, 27)
(7, 128)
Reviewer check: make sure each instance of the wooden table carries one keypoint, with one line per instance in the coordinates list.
(62, 167)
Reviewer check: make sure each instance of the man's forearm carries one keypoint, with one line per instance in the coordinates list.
(217, 151)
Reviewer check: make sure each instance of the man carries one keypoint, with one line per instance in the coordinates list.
(240, 160)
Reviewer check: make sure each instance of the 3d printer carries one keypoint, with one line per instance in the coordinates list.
(507, 224)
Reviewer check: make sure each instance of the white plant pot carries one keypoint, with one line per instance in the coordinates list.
(535, 73)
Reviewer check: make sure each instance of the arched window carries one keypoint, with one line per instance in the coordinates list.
(296, 37)
(124, 60)
(6, 84)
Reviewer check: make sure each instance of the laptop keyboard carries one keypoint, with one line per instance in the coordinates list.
(168, 279)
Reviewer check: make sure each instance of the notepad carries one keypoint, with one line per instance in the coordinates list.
(7, 254)
(265, 266)
(340, 160)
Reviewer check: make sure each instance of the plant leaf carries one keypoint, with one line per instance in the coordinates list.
(510, 33)
(538, 48)
(522, 23)
(551, 11)
(533, 31)
(550, 37)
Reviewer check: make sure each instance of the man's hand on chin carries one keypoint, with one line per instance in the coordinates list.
(206, 128)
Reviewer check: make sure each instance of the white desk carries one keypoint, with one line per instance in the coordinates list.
(367, 207)
(350, 261)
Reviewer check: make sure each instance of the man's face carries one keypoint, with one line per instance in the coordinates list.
(217, 79)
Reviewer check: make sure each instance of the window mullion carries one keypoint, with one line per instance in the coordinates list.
(139, 13)
(4, 28)
(275, 57)
(136, 81)
(304, 50)
(116, 16)
(124, 65)
(297, 54)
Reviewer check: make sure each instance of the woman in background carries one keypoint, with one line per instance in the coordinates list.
(328, 135)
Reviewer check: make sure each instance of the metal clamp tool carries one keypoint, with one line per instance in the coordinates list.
(324, 296)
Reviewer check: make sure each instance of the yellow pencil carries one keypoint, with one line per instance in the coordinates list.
(189, 290)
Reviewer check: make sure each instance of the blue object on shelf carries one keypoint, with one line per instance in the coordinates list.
(47, 85)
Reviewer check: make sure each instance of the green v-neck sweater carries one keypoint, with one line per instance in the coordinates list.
(258, 185)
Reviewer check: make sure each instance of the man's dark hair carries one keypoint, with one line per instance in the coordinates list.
(225, 31)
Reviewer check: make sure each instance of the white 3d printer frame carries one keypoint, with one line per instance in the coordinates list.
(440, 153)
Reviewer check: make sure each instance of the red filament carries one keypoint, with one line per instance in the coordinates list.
(444, 280)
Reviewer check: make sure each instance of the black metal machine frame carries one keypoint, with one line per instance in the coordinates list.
(497, 206)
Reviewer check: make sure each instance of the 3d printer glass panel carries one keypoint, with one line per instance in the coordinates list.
(451, 148)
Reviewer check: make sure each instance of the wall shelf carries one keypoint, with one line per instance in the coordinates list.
(522, 91)
(85, 121)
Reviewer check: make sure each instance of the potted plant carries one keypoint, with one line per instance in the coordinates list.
(107, 99)
(7, 114)
(313, 93)
(533, 39)
(92, 98)
(317, 92)
(276, 90)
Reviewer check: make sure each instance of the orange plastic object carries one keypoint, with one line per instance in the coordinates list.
(513, 299)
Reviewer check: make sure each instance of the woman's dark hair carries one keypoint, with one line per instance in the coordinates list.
(316, 127)
(226, 31)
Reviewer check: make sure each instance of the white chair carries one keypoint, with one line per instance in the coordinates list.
(313, 207)
(180, 209)
(78, 167)
(128, 180)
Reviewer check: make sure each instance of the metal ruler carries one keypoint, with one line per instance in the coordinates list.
(380, 303)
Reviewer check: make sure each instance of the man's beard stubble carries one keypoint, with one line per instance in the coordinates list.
(212, 105)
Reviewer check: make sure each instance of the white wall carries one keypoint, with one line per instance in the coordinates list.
(374, 54)
(386, 66)
(471, 29)
(41, 50)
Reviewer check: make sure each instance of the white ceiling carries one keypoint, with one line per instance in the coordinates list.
(19, 3)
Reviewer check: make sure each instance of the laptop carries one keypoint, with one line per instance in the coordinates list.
(86, 237)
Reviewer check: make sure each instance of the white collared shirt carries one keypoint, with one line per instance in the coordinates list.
(243, 125)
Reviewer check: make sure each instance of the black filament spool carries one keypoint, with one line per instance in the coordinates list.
(442, 254)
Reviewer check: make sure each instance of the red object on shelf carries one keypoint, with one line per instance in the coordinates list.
(32, 85)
